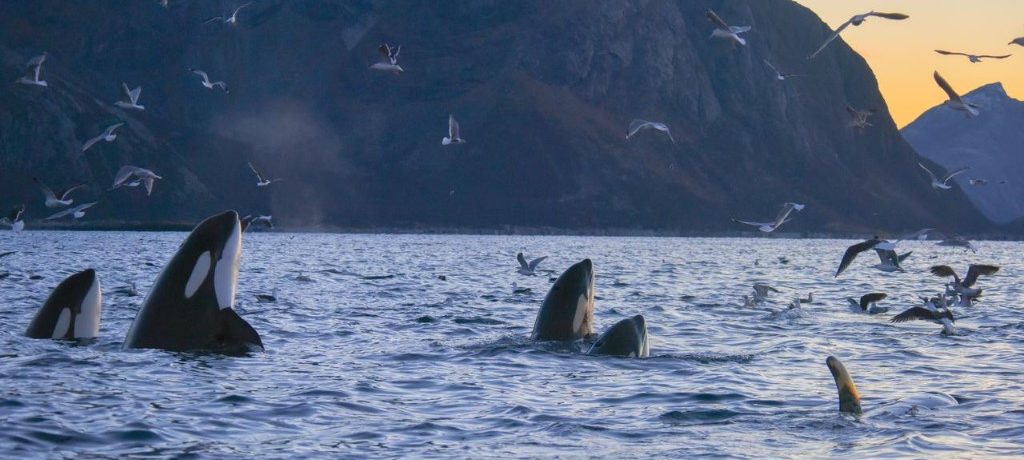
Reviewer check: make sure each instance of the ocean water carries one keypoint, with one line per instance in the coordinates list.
(375, 355)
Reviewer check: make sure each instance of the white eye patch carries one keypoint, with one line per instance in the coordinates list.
(199, 272)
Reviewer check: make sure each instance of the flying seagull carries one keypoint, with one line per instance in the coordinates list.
(76, 212)
(856, 20)
(725, 31)
(390, 62)
(868, 303)
(231, 20)
(453, 132)
(14, 219)
(266, 221)
(957, 241)
(886, 250)
(207, 83)
(943, 184)
(132, 96)
(955, 102)
(528, 268)
(260, 180)
(972, 57)
(779, 75)
(921, 234)
(934, 310)
(141, 176)
(108, 136)
(966, 285)
(57, 200)
(780, 219)
(859, 118)
(637, 125)
(36, 64)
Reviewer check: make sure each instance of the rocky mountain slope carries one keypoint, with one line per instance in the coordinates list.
(544, 92)
(991, 144)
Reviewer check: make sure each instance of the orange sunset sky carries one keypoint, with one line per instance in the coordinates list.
(902, 53)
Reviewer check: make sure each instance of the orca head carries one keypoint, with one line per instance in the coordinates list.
(627, 338)
(568, 309)
(72, 311)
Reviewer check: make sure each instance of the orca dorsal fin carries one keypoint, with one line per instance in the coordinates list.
(236, 333)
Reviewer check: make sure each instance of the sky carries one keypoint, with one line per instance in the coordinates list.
(902, 53)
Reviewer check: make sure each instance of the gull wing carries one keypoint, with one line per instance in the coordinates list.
(770, 66)
(123, 174)
(535, 262)
(888, 257)
(522, 261)
(717, 20)
(944, 271)
(787, 208)
(974, 271)
(90, 142)
(756, 224)
(852, 251)
(239, 9)
(47, 191)
(954, 172)
(636, 125)
(201, 73)
(987, 56)
(63, 194)
(133, 94)
(867, 299)
(215, 18)
(59, 214)
(893, 16)
(953, 96)
(36, 61)
(148, 183)
(950, 53)
(253, 168)
(915, 313)
(110, 129)
(831, 38)
(453, 128)
(930, 174)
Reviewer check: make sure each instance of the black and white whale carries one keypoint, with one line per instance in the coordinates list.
(190, 306)
(568, 310)
(849, 398)
(72, 311)
(627, 338)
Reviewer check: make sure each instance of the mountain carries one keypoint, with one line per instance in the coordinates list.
(989, 143)
(543, 90)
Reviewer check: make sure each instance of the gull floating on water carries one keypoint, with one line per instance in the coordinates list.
(868, 303)
(36, 64)
(637, 125)
(761, 292)
(76, 212)
(207, 83)
(955, 102)
(725, 31)
(14, 219)
(859, 118)
(390, 62)
(232, 19)
(132, 96)
(888, 260)
(453, 132)
(142, 176)
(108, 136)
(856, 20)
(778, 74)
(528, 268)
(780, 219)
(57, 200)
(972, 57)
(260, 180)
(943, 184)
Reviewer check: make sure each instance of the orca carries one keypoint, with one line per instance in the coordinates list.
(72, 311)
(190, 306)
(626, 338)
(568, 309)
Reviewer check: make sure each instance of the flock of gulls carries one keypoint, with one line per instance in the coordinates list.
(203, 273)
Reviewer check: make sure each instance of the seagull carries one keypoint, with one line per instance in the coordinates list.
(14, 219)
(725, 31)
(977, 181)
(1017, 41)
(974, 58)
(141, 176)
(133, 98)
(162, 3)
(856, 20)
(637, 124)
(780, 219)
(390, 64)
(260, 181)
(957, 241)
(76, 212)
(232, 20)
(920, 235)
(206, 81)
(250, 219)
(36, 64)
(883, 247)
(934, 310)
(761, 292)
(868, 302)
(859, 118)
(528, 269)
(779, 75)
(453, 132)
(965, 287)
(955, 102)
(108, 136)
(56, 200)
(943, 184)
